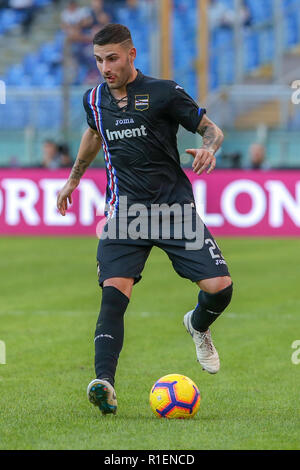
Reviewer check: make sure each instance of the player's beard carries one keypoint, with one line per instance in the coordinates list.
(123, 78)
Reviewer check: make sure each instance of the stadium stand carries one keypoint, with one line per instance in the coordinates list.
(36, 64)
(10, 17)
(42, 67)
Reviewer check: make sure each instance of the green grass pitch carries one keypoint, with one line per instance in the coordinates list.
(49, 307)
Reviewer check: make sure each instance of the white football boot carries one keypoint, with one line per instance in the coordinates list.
(207, 354)
(102, 394)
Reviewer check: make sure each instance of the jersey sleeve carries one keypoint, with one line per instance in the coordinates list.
(89, 113)
(183, 109)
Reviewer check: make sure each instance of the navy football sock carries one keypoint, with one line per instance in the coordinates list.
(109, 334)
(210, 307)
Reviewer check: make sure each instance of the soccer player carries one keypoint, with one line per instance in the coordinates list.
(136, 118)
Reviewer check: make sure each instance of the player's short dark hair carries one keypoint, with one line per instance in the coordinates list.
(112, 33)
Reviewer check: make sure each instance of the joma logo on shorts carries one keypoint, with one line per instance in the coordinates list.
(126, 133)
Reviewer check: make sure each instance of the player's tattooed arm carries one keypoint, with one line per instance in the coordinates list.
(78, 169)
(89, 147)
(212, 135)
(212, 138)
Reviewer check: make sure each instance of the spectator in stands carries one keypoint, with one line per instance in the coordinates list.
(257, 157)
(99, 16)
(73, 15)
(220, 16)
(131, 3)
(65, 157)
(232, 160)
(80, 36)
(14, 162)
(245, 14)
(26, 7)
(55, 156)
(51, 155)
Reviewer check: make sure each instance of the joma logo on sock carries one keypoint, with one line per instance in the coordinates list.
(104, 336)
(126, 133)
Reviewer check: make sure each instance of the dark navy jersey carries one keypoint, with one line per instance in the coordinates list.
(140, 143)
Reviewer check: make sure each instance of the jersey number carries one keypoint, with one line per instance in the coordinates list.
(213, 247)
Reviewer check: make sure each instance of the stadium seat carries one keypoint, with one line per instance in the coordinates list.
(30, 62)
(40, 74)
(15, 75)
(251, 50)
(41, 3)
(260, 11)
(9, 17)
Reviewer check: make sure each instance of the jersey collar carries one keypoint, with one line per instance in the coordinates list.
(129, 87)
(136, 81)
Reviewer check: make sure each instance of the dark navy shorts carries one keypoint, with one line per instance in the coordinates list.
(127, 257)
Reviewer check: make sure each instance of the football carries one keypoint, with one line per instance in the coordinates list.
(175, 396)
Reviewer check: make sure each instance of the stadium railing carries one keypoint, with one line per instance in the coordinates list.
(31, 116)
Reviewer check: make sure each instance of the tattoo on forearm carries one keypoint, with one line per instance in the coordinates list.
(212, 136)
(78, 169)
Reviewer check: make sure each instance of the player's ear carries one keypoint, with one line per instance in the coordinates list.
(132, 53)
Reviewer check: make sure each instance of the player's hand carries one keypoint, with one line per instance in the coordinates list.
(65, 196)
(203, 159)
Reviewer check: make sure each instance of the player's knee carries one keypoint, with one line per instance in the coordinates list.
(124, 285)
(113, 306)
(218, 301)
(214, 285)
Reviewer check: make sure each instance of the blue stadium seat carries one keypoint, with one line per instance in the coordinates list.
(289, 3)
(41, 3)
(184, 23)
(15, 75)
(266, 46)
(42, 68)
(30, 62)
(9, 18)
(39, 75)
(251, 50)
(260, 10)
(291, 29)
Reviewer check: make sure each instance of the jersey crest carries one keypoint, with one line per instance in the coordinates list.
(141, 102)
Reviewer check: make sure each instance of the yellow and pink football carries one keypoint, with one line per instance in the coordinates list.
(175, 396)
